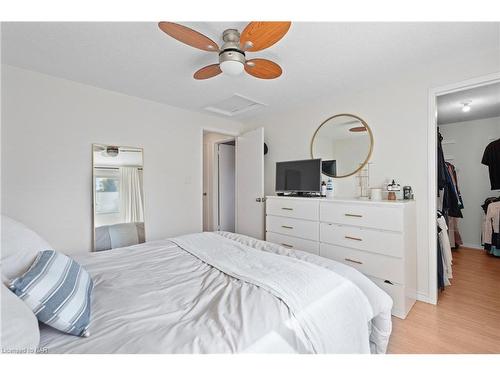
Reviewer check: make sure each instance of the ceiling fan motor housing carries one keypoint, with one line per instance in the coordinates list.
(231, 50)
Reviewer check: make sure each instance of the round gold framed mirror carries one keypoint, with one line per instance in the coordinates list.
(344, 142)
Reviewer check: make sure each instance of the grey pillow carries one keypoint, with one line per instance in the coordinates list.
(119, 235)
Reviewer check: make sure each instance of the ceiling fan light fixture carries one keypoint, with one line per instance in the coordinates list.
(256, 36)
(232, 68)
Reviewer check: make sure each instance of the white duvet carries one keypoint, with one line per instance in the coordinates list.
(158, 297)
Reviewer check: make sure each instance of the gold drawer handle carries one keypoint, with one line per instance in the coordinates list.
(353, 238)
(353, 261)
(286, 245)
(353, 215)
(287, 208)
(286, 227)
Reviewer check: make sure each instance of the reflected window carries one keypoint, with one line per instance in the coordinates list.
(107, 195)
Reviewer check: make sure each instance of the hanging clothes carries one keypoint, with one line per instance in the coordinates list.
(453, 233)
(491, 228)
(491, 158)
(441, 167)
(487, 202)
(447, 257)
(452, 203)
(440, 277)
(452, 200)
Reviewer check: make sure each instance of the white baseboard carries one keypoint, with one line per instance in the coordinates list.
(424, 298)
(472, 246)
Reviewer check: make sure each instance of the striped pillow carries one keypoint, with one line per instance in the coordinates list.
(58, 291)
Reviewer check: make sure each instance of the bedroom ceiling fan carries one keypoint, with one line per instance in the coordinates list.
(232, 55)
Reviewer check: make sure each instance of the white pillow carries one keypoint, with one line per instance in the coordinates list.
(20, 332)
(20, 246)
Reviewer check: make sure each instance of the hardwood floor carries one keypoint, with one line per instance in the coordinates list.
(467, 316)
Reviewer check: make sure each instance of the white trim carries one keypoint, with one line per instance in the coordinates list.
(432, 170)
(423, 297)
(473, 246)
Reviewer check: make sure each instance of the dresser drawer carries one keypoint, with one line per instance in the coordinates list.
(371, 264)
(376, 241)
(396, 292)
(305, 229)
(364, 215)
(294, 208)
(293, 242)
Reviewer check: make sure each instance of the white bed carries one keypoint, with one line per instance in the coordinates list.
(157, 297)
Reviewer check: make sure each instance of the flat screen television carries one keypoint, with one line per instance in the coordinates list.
(329, 167)
(299, 176)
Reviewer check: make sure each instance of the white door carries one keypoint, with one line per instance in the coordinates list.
(226, 187)
(250, 183)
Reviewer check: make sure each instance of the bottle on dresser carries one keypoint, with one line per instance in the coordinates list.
(329, 189)
(323, 188)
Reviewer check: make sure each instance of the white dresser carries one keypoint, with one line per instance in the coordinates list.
(377, 238)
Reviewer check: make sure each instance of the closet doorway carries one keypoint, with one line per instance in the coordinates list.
(219, 182)
(465, 179)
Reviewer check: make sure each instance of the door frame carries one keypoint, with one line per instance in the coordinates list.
(202, 156)
(432, 168)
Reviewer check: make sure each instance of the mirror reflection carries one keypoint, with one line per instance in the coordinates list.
(118, 196)
(344, 143)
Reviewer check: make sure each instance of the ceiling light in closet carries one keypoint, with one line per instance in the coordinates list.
(466, 107)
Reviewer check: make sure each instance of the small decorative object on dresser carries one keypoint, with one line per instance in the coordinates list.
(376, 194)
(393, 189)
(376, 238)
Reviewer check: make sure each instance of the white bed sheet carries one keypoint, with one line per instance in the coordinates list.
(158, 298)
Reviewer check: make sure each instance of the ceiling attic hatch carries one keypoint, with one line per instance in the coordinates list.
(234, 105)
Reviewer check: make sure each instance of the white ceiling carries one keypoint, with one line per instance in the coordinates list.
(484, 102)
(317, 58)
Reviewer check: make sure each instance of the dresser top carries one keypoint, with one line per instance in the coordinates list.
(345, 200)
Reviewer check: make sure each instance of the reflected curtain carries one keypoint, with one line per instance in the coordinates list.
(131, 202)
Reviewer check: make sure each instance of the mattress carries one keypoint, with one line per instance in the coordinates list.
(158, 298)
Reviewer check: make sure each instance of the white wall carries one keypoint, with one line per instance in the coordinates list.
(470, 138)
(396, 109)
(48, 127)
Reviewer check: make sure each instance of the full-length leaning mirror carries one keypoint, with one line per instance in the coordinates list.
(344, 142)
(118, 196)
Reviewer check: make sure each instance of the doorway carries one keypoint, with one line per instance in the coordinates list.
(219, 182)
(464, 120)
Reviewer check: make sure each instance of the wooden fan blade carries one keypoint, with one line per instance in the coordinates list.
(188, 36)
(262, 68)
(260, 35)
(208, 71)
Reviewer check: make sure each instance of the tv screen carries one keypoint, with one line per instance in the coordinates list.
(329, 167)
(298, 176)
